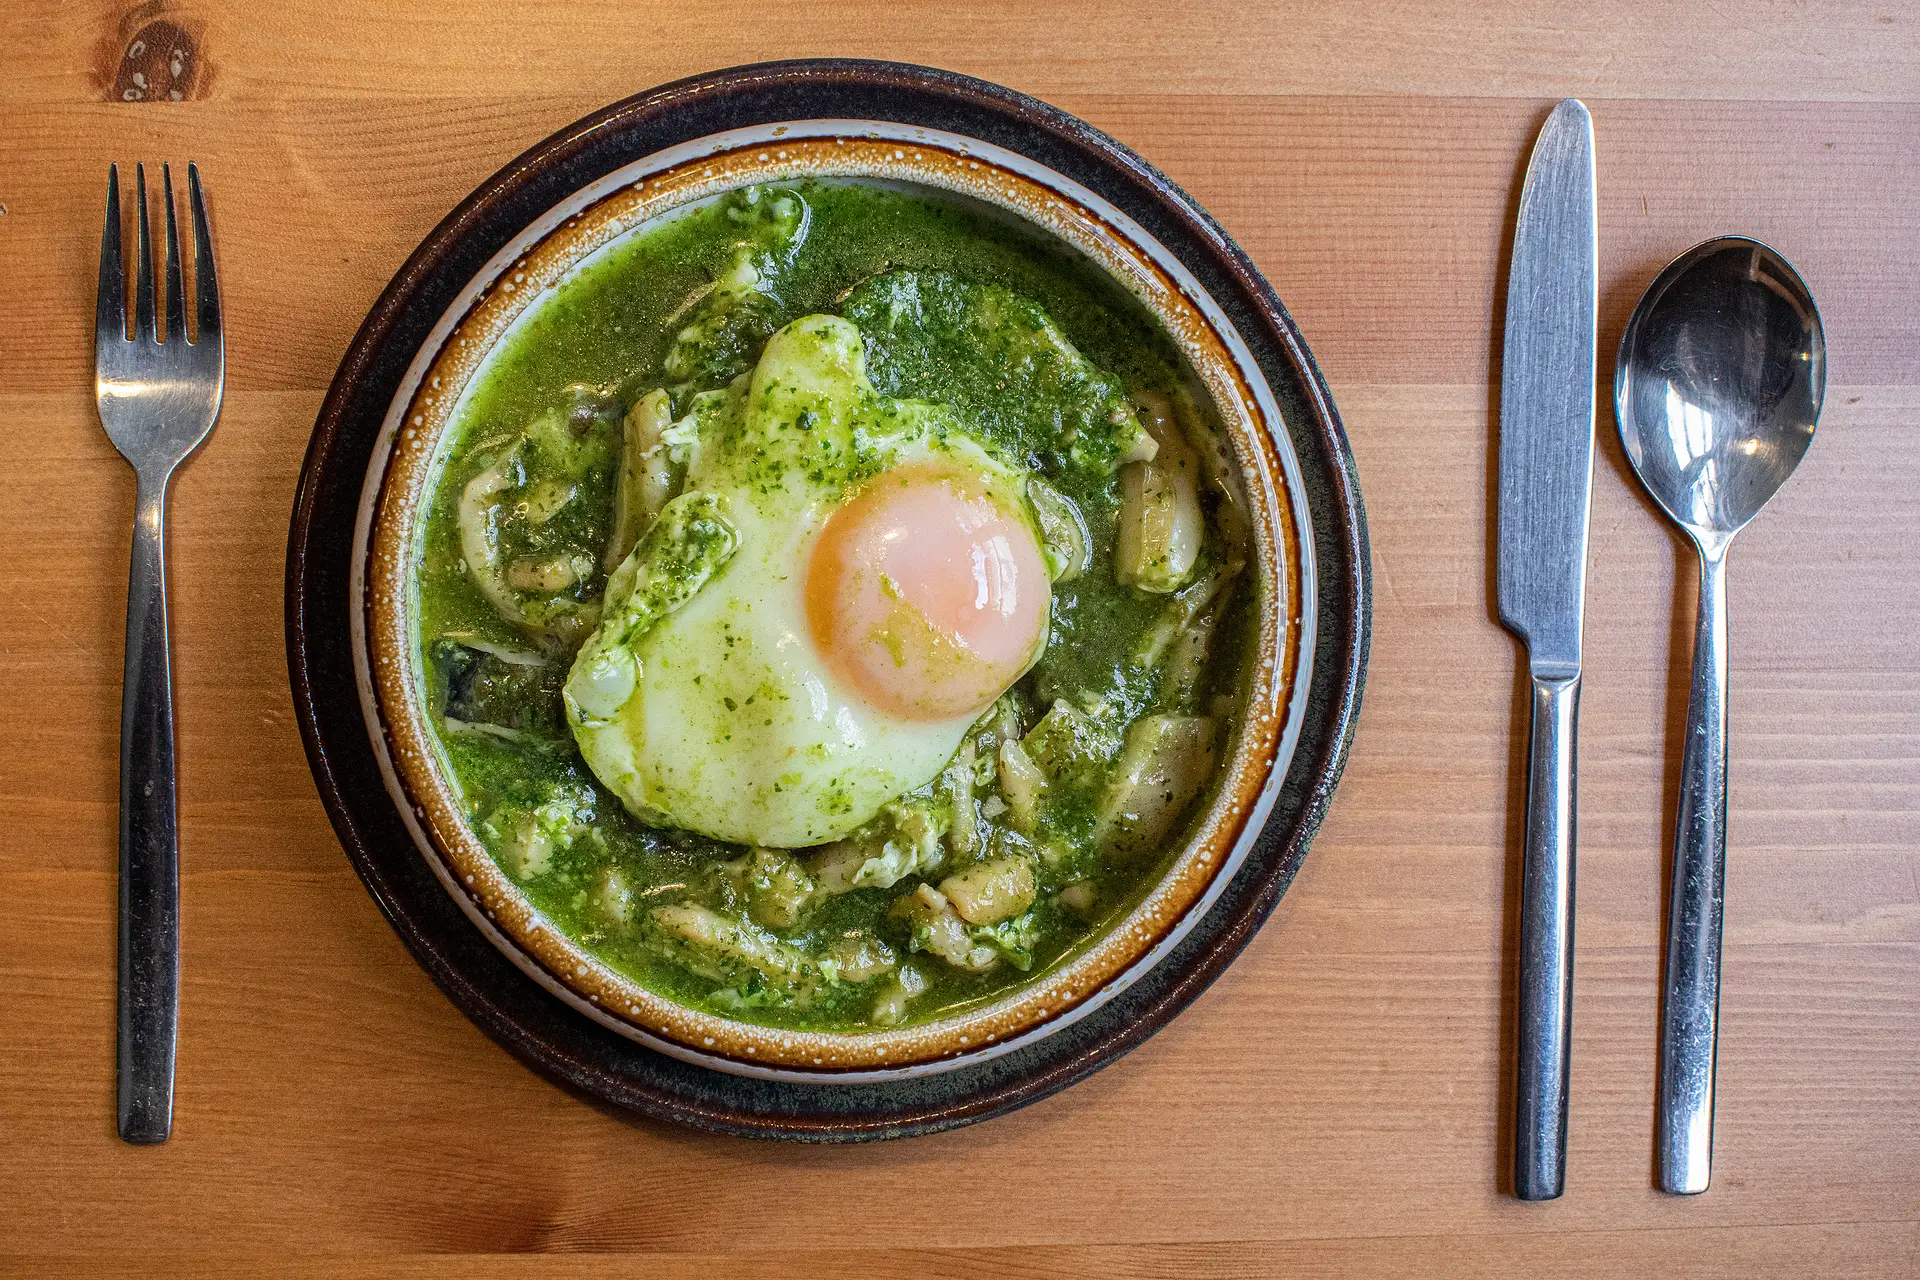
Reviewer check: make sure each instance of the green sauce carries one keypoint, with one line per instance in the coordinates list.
(1038, 357)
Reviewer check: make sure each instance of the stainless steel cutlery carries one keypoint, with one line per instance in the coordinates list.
(158, 393)
(1718, 388)
(1546, 475)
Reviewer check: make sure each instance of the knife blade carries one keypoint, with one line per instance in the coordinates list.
(1546, 481)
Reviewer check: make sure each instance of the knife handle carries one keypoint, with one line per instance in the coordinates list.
(1546, 943)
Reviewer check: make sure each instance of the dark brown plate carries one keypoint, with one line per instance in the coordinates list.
(555, 1039)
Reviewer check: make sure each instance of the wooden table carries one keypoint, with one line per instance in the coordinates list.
(1332, 1106)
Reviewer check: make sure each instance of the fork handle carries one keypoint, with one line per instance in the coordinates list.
(149, 837)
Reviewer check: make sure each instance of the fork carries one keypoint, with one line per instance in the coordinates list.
(158, 395)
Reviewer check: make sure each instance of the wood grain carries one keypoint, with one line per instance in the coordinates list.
(1332, 1107)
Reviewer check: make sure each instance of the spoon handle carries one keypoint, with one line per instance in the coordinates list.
(1546, 941)
(1690, 1020)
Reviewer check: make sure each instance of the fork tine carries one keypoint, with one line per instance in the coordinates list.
(110, 308)
(176, 301)
(143, 268)
(206, 286)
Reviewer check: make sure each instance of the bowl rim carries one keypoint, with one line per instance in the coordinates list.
(408, 463)
(573, 1050)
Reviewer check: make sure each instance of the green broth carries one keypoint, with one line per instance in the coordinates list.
(604, 338)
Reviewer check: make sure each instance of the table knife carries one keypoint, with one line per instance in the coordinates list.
(1546, 479)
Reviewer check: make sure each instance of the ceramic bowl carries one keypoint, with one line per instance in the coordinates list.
(1029, 183)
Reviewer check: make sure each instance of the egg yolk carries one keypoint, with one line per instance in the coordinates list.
(925, 595)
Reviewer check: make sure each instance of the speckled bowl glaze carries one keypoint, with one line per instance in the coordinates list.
(402, 480)
(582, 191)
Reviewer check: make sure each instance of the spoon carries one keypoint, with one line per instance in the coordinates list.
(1718, 388)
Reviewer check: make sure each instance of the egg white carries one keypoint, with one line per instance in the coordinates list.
(737, 728)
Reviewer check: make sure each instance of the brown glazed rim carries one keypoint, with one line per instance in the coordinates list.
(518, 1010)
(393, 646)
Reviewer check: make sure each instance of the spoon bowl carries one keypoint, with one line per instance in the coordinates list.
(1718, 389)
(1721, 375)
